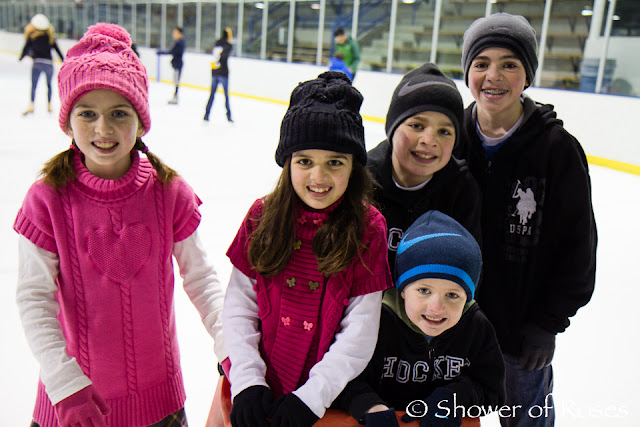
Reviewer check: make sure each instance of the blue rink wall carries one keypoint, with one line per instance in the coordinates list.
(605, 125)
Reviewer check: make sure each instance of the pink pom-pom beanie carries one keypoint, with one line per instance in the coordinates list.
(103, 59)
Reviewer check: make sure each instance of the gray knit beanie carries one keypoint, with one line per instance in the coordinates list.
(504, 30)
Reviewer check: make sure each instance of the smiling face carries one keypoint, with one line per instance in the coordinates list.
(422, 146)
(104, 126)
(320, 177)
(434, 305)
(496, 80)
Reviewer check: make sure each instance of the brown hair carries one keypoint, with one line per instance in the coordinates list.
(335, 244)
(58, 171)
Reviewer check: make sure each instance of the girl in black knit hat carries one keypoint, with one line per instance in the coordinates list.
(413, 167)
(539, 231)
(303, 303)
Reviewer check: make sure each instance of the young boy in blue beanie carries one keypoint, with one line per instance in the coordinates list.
(437, 354)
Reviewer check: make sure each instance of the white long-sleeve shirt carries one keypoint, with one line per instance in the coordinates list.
(39, 308)
(347, 356)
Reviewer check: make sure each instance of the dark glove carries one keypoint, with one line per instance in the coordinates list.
(251, 406)
(438, 411)
(224, 367)
(290, 411)
(537, 347)
(85, 408)
(381, 419)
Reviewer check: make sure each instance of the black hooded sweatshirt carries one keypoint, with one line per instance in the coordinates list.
(538, 228)
(405, 367)
(452, 191)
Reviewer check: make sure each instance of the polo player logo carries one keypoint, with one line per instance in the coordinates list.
(526, 206)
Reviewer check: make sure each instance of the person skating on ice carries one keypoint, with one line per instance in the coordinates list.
(176, 52)
(39, 41)
(220, 72)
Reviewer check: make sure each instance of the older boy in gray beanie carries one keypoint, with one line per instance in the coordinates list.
(538, 227)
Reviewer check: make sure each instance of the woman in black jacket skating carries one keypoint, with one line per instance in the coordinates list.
(40, 39)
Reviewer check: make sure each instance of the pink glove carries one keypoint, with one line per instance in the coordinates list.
(85, 408)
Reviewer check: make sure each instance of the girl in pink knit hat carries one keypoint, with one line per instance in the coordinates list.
(97, 237)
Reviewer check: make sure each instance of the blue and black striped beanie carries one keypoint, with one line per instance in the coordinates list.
(437, 246)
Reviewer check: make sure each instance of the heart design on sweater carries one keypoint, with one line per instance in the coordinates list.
(119, 255)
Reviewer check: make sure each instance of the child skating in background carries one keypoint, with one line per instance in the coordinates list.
(97, 236)
(302, 306)
(435, 349)
(413, 168)
(176, 52)
(40, 38)
(337, 64)
(539, 231)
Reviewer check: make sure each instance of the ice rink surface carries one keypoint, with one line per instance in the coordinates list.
(596, 373)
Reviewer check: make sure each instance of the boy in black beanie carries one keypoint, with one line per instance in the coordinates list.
(437, 356)
(413, 167)
(538, 228)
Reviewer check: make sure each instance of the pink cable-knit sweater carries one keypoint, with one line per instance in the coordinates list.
(300, 309)
(114, 241)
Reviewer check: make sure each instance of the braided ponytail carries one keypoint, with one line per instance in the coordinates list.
(165, 173)
(59, 169)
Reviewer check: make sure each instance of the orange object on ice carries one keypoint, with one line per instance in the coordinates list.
(221, 409)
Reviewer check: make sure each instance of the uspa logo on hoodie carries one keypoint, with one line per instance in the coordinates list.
(524, 209)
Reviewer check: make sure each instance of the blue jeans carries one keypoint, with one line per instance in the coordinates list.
(215, 80)
(530, 392)
(41, 67)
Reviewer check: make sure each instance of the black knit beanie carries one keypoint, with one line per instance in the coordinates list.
(424, 89)
(324, 114)
(504, 30)
(437, 246)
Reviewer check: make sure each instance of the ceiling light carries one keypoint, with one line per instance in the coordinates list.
(587, 11)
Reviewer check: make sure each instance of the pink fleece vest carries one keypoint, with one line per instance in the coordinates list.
(300, 309)
(114, 239)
